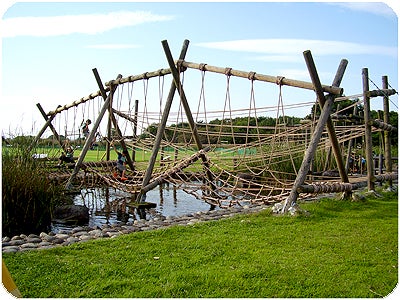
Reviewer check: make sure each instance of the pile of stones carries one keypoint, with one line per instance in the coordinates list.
(24, 242)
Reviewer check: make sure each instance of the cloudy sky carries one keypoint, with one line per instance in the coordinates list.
(49, 50)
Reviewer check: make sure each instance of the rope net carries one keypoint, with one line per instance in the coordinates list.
(253, 151)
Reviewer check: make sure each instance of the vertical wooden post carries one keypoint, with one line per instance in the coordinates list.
(135, 119)
(108, 138)
(368, 131)
(326, 106)
(89, 139)
(160, 130)
(387, 134)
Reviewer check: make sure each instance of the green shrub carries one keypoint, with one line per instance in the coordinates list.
(28, 196)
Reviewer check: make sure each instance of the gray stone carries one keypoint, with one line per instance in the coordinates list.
(48, 238)
(29, 245)
(10, 249)
(79, 233)
(61, 236)
(71, 214)
(85, 237)
(16, 242)
(33, 240)
(43, 244)
(72, 239)
(58, 241)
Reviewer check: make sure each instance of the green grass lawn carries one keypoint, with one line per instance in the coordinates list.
(343, 249)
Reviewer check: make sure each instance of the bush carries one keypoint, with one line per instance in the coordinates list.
(28, 196)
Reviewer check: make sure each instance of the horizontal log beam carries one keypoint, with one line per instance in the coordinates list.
(76, 103)
(337, 187)
(381, 93)
(260, 77)
(161, 72)
(382, 125)
(146, 75)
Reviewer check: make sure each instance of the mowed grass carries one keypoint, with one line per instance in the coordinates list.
(343, 249)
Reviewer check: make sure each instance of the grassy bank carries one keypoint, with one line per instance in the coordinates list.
(344, 249)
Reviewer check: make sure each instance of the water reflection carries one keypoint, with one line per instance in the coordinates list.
(109, 205)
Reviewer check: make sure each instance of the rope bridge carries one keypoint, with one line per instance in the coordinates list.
(225, 156)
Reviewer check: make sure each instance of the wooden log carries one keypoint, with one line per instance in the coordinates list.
(382, 125)
(55, 133)
(177, 168)
(381, 93)
(161, 129)
(40, 133)
(337, 187)
(387, 134)
(321, 99)
(89, 139)
(132, 78)
(261, 77)
(185, 104)
(326, 106)
(368, 131)
(75, 103)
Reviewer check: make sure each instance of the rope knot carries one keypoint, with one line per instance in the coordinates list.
(251, 75)
(228, 71)
(279, 80)
(202, 67)
(179, 65)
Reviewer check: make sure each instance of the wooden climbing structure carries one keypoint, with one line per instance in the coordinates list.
(206, 153)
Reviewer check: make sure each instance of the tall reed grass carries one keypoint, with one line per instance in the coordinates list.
(27, 195)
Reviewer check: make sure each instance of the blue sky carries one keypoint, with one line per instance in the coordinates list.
(49, 50)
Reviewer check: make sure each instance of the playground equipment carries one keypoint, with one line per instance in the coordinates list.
(209, 155)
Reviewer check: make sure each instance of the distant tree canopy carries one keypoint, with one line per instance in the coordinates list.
(242, 129)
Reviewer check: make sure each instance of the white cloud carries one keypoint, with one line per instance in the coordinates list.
(284, 47)
(112, 46)
(281, 58)
(69, 24)
(377, 8)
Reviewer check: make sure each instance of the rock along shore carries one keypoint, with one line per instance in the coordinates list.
(78, 234)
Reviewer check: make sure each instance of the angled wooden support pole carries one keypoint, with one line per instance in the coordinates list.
(160, 130)
(321, 99)
(56, 135)
(89, 140)
(189, 116)
(40, 133)
(112, 117)
(326, 106)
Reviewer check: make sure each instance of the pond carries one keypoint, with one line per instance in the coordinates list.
(103, 203)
